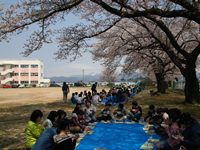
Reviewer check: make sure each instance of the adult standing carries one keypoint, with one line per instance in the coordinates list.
(65, 89)
(94, 88)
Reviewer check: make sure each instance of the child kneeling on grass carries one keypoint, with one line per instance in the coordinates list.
(106, 114)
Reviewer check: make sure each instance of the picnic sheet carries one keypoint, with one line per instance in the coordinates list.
(117, 136)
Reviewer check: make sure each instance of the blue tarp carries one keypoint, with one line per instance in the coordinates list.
(115, 137)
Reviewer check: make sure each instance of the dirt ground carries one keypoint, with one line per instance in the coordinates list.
(26, 96)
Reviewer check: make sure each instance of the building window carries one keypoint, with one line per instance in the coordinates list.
(34, 82)
(34, 74)
(24, 82)
(16, 82)
(24, 66)
(34, 66)
(41, 74)
(24, 74)
(16, 74)
(16, 66)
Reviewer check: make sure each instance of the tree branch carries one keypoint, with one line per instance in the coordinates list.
(129, 13)
(170, 36)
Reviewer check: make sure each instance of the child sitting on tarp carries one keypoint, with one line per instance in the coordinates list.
(173, 131)
(105, 114)
(135, 112)
(77, 122)
(89, 111)
(120, 112)
(151, 113)
(64, 140)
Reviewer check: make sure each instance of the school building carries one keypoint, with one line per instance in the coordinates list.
(26, 72)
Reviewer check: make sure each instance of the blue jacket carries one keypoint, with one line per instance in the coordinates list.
(45, 141)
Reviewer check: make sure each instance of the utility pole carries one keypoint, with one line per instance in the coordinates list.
(83, 75)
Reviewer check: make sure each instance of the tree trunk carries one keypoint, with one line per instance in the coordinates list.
(191, 85)
(161, 84)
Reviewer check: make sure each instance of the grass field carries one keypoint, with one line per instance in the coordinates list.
(16, 105)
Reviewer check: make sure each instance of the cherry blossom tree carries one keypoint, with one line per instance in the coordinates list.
(132, 48)
(108, 74)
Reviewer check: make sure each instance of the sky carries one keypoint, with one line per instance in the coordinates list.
(13, 48)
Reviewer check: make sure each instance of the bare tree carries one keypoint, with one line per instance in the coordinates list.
(102, 15)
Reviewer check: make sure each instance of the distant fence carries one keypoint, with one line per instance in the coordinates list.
(179, 85)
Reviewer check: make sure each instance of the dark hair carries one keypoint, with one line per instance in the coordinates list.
(63, 124)
(64, 84)
(151, 107)
(162, 110)
(187, 119)
(80, 112)
(108, 104)
(36, 114)
(52, 115)
(174, 114)
(121, 106)
(134, 103)
(77, 108)
(60, 113)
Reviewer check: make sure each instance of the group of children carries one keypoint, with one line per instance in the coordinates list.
(177, 130)
(50, 134)
(60, 131)
(115, 95)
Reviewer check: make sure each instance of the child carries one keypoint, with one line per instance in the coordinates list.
(96, 99)
(173, 131)
(151, 113)
(73, 99)
(77, 122)
(52, 117)
(33, 129)
(120, 112)
(63, 139)
(80, 98)
(61, 116)
(191, 132)
(106, 113)
(135, 112)
(77, 108)
(89, 111)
